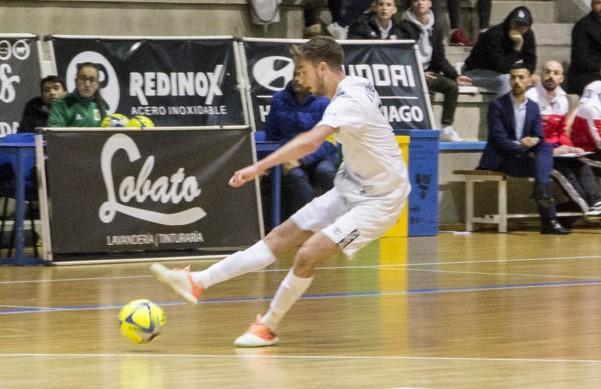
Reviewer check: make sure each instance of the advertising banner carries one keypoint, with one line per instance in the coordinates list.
(390, 65)
(152, 191)
(19, 78)
(175, 82)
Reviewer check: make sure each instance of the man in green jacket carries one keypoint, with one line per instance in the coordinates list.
(84, 107)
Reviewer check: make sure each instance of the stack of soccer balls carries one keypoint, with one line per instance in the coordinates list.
(119, 120)
(141, 320)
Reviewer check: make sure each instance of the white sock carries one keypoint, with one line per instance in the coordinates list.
(289, 291)
(253, 258)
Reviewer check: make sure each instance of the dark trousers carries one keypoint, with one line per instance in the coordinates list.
(345, 12)
(302, 184)
(537, 163)
(450, 90)
(581, 177)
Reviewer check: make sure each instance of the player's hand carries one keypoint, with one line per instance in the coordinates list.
(287, 166)
(517, 38)
(562, 150)
(529, 141)
(244, 175)
(463, 80)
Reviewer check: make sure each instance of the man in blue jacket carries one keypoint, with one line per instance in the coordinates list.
(295, 110)
(516, 145)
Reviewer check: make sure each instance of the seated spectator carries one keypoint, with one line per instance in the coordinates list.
(84, 107)
(586, 128)
(419, 24)
(499, 48)
(35, 113)
(293, 111)
(585, 58)
(516, 145)
(553, 105)
(377, 24)
(344, 13)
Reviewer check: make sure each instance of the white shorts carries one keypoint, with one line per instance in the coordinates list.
(350, 224)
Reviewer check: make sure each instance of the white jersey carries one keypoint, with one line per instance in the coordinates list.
(549, 105)
(372, 162)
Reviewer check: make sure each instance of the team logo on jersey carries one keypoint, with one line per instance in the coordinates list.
(273, 72)
(109, 83)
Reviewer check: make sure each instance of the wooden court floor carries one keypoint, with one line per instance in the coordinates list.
(485, 310)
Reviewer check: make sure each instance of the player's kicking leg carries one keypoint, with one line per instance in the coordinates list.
(263, 331)
(190, 285)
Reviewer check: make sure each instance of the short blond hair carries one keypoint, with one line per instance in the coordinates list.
(320, 49)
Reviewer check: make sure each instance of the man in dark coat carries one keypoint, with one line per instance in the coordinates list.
(378, 24)
(499, 48)
(516, 145)
(585, 66)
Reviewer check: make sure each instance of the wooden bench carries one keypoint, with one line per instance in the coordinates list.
(470, 177)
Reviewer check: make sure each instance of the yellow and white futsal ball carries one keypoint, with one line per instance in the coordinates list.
(114, 120)
(141, 320)
(140, 121)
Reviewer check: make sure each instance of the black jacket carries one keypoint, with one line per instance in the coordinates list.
(35, 114)
(494, 49)
(439, 62)
(586, 53)
(366, 27)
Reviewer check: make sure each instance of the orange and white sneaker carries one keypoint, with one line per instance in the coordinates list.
(179, 280)
(257, 335)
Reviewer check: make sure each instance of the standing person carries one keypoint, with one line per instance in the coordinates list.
(295, 110)
(369, 192)
(516, 145)
(585, 58)
(499, 48)
(553, 104)
(84, 107)
(458, 36)
(420, 25)
(36, 111)
(378, 24)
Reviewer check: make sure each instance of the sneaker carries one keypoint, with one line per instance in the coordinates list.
(257, 335)
(458, 38)
(312, 31)
(450, 135)
(179, 280)
(337, 31)
(594, 210)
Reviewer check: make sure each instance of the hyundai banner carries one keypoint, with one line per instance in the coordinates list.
(152, 191)
(390, 65)
(175, 82)
(19, 78)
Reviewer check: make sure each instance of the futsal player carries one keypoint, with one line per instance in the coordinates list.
(368, 195)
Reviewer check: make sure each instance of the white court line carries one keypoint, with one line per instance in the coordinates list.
(293, 357)
(401, 266)
(504, 274)
(32, 307)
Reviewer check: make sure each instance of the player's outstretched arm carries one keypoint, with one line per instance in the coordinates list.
(302, 145)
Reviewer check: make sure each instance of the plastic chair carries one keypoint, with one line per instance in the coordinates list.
(7, 187)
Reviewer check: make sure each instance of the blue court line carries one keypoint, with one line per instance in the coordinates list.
(410, 292)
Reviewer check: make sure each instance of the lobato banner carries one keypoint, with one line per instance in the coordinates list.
(120, 192)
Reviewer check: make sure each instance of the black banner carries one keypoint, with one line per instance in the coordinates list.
(392, 67)
(162, 190)
(175, 82)
(19, 79)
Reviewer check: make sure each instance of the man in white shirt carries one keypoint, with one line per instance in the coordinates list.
(553, 104)
(369, 192)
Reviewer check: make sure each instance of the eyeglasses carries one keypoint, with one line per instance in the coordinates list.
(83, 78)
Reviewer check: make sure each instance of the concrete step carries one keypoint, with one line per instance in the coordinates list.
(542, 11)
